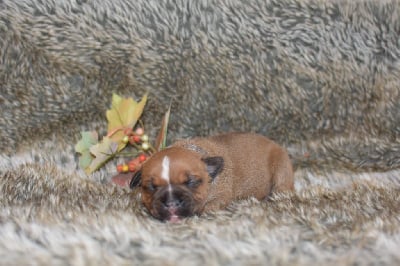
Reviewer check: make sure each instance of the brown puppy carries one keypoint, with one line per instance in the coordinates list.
(202, 174)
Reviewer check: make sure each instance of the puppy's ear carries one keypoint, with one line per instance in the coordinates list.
(215, 165)
(136, 179)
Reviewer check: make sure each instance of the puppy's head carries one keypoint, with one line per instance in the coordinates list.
(175, 182)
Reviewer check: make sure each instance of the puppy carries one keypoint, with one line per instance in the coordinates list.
(202, 174)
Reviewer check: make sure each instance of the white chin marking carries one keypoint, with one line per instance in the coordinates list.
(165, 169)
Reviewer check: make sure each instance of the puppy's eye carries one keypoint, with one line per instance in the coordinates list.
(150, 187)
(192, 182)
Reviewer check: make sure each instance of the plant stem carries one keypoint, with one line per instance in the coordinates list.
(152, 149)
(115, 131)
(141, 124)
(125, 154)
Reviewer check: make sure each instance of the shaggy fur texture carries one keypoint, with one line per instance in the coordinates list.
(319, 77)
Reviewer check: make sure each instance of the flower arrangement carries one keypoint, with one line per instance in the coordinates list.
(125, 131)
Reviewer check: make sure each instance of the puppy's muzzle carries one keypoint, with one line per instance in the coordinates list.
(172, 204)
(173, 201)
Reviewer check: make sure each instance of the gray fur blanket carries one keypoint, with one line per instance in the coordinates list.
(319, 77)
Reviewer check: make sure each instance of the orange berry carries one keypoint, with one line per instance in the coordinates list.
(142, 158)
(134, 161)
(134, 139)
(119, 168)
(131, 167)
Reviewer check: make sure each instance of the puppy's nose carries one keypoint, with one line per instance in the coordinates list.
(173, 203)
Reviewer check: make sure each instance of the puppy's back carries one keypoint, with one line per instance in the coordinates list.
(253, 164)
(258, 165)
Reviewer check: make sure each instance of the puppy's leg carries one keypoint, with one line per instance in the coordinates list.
(282, 171)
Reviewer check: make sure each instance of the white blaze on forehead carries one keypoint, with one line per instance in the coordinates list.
(165, 169)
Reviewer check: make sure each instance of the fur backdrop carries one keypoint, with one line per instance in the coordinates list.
(319, 77)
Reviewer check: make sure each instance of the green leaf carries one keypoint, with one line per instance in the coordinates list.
(89, 138)
(102, 151)
(161, 141)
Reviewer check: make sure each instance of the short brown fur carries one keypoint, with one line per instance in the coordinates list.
(253, 166)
